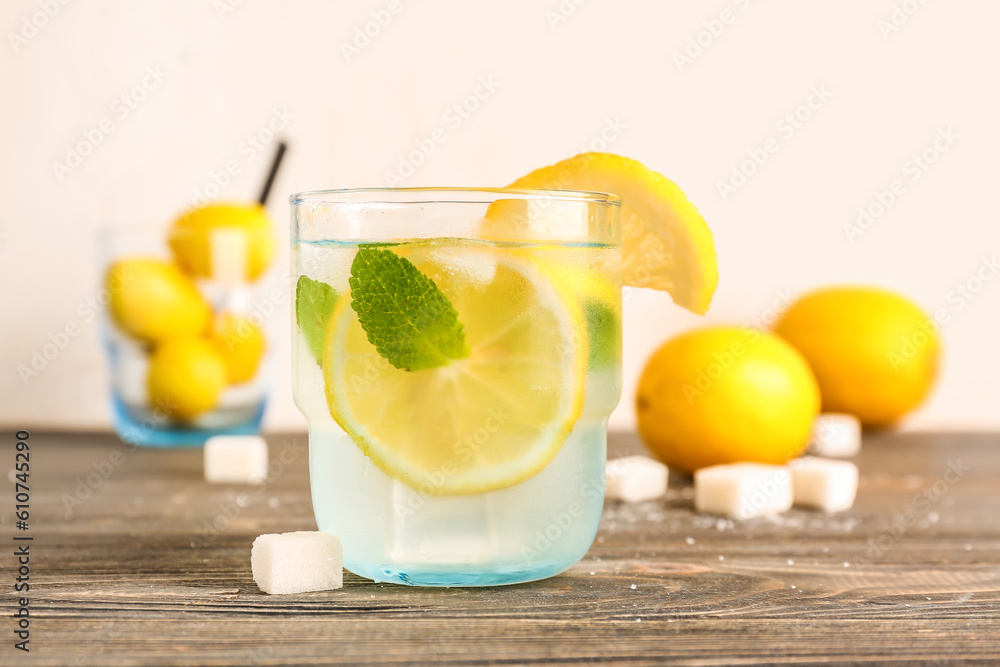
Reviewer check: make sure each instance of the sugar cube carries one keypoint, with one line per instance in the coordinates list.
(824, 483)
(836, 434)
(743, 490)
(634, 479)
(236, 458)
(297, 562)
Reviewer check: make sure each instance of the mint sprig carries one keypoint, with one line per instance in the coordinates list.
(406, 316)
(314, 303)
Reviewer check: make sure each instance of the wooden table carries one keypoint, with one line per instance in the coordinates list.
(127, 568)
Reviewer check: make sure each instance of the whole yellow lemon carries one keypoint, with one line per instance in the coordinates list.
(191, 237)
(186, 377)
(152, 299)
(241, 344)
(874, 353)
(724, 395)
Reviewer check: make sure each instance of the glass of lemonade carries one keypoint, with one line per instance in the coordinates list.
(457, 354)
(220, 372)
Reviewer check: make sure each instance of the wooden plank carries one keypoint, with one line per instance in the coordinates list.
(143, 563)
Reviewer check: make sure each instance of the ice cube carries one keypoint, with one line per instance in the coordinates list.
(479, 268)
(229, 255)
(297, 562)
(131, 374)
(455, 530)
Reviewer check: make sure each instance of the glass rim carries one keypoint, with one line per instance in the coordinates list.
(446, 195)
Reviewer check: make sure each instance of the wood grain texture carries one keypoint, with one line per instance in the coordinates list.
(153, 567)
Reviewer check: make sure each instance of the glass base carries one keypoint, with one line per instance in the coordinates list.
(140, 433)
(394, 533)
(498, 576)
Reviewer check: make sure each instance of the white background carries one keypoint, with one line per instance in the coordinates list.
(560, 84)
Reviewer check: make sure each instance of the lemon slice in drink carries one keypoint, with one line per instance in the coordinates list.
(666, 244)
(480, 423)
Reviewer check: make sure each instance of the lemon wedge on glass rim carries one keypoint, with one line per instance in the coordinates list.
(666, 244)
(481, 423)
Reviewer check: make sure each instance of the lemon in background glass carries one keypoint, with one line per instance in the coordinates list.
(725, 395)
(191, 237)
(186, 377)
(241, 344)
(153, 300)
(874, 353)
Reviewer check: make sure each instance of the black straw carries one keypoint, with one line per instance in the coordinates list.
(274, 172)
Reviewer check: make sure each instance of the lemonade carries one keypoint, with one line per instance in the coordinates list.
(457, 373)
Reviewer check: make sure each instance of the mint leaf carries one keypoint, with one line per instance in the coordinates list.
(603, 332)
(314, 303)
(408, 319)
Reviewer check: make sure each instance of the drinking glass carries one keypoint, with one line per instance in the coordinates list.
(457, 354)
(135, 415)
